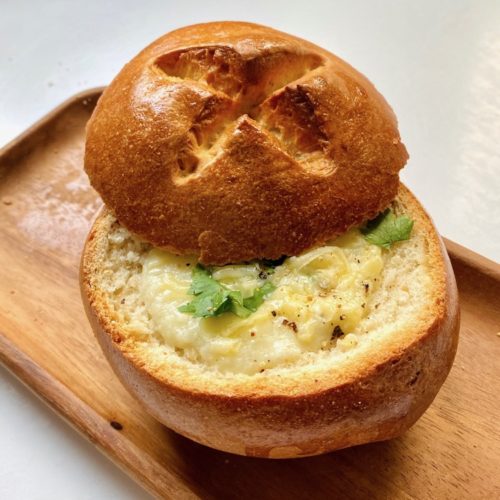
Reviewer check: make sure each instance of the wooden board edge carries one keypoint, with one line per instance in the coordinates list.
(91, 425)
(472, 259)
(12, 145)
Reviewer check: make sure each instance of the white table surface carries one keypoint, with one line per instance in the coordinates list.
(437, 63)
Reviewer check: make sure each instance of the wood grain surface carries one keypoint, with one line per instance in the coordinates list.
(46, 208)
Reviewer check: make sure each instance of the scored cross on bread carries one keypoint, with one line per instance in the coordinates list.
(232, 90)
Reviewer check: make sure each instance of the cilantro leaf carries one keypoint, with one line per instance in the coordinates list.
(209, 295)
(237, 305)
(206, 304)
(386, 229)
(202, 281)
(252, 303)
(212, 298)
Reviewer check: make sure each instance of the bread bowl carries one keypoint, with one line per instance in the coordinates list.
(352, 341)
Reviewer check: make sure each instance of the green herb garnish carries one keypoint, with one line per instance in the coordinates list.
(386, 229)
(253, 302)
(212, 298)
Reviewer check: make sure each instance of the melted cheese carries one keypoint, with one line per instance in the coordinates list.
(322, 289)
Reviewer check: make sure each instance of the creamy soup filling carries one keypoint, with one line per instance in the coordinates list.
(317, 302)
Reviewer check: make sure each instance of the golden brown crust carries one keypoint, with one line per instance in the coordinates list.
(235, 141)
(373, 398)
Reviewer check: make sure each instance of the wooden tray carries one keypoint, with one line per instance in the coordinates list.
(46, 207)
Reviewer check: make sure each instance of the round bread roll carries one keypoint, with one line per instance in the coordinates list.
(369, 387)
(233, 141)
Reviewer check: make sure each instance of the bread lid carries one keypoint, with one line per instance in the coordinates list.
(233, 141)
